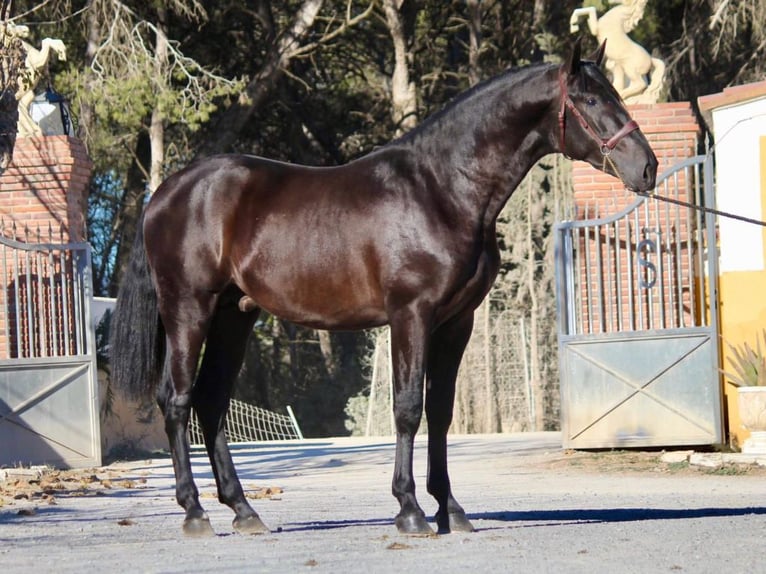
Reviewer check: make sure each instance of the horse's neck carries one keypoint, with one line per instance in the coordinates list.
(495, 140)
(618, 22)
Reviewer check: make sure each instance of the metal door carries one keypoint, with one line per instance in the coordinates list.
(48, 382)
(638, 345)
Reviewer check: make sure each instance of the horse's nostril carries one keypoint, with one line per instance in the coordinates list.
(650, 171)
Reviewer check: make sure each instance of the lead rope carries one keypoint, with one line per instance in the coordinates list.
(683, 203)
(702, 208)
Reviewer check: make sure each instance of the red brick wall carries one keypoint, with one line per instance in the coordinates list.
(608, 272)
(46, 185)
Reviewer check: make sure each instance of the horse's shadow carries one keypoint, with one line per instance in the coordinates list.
(608, 515)
(538, 518)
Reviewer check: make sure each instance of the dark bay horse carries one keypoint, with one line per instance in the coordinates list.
(404, 237)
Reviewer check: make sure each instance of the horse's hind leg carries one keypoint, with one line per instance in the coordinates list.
(224, 350)
(185, 318)
(445, 352)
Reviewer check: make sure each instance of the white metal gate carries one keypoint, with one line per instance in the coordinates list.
(48, 382)
(638, 344)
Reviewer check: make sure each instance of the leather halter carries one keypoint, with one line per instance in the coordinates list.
(605, 145)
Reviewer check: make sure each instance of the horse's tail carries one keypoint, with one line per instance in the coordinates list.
(657, 77)
(137, 341)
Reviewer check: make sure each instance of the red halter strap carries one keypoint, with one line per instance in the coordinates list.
(606, 145)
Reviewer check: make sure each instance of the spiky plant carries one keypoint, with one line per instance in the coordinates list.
(749, 364)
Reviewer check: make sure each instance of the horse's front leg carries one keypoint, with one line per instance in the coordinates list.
(590, 13)
(408, 351)
(444, 356)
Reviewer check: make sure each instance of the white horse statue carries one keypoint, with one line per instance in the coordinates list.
(628, 62)
(34, 63)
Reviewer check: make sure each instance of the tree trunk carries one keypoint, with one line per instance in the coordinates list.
(132, 205)
(403, 95)
(474, 41)
(534, 351)
(326, 348)
(538, 15)
(147, 167)
(234, 119)
(157, 122)
(93, 34)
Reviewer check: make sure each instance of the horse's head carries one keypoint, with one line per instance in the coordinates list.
(594, 125)
(9, 116)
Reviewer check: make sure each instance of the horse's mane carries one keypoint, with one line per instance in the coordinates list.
(509, 78)
(636, 13)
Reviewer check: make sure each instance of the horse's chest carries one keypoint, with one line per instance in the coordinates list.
(471, 290)
(487, 267)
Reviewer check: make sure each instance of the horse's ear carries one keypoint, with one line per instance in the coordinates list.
(598, 55)
(573, 65)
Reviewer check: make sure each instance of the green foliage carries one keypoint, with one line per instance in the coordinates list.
(749, 364)
(356, 413)
(600, 5)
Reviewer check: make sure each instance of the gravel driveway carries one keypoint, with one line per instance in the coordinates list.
(328, 502)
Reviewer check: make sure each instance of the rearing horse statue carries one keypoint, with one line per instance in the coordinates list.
(34, 63)
(625, 59)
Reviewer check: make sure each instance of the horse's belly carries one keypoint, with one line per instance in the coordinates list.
(322, 301)
(331, 315)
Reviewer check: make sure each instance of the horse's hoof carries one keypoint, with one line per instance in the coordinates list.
(414, 524)
(250, 525)
(198, 527)
(453, 522)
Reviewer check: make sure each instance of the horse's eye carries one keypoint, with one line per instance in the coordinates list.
(591, 101)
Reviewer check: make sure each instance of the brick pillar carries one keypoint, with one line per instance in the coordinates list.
(43, 199)
(46, 186)
(673, 133)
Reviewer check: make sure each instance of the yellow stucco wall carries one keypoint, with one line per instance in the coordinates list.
(742, 296)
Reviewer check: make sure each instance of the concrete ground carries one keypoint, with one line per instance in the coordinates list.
(536, 509)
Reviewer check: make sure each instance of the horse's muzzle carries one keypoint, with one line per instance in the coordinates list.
(642, 178)
(649, 174)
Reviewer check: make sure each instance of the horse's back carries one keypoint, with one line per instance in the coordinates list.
(283, 233)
